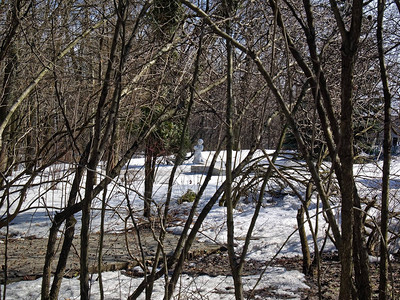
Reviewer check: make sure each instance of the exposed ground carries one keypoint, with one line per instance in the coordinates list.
(26, 256)
(218, 264)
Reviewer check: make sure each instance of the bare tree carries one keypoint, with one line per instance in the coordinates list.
(338, 135)
(87, 83)
(387, 141)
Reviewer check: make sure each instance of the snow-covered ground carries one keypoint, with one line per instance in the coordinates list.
(276, 223)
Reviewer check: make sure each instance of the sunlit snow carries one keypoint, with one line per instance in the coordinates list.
(275, 229)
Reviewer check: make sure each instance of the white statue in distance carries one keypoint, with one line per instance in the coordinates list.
(197, 152)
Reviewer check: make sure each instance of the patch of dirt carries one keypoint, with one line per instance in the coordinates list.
(218, 264)
(26, 256)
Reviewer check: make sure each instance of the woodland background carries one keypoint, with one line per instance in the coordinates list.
(93, 83)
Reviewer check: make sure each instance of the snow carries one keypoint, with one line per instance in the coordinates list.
(275, 230)
(118, 286)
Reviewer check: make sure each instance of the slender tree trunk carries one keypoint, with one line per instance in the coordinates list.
(360, 253)
(178, 161)
(50, 252)
(383, 275)
(68, 238)
(349, 49)
(101, 244)
(303, 240)
(347, 193)
(99, 139)
(149, 171)
(85, 229)
(237, 278)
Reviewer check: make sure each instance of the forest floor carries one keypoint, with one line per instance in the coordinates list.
(218, 264)
(26, 257)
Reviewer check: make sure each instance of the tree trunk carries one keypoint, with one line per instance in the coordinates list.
(383, 275)
(236, 274)
(349, 49)
(50, 252)
(149, 171)
(360, 253)
(98, 141)
(68, 238)
(304, 243)
(347, 193)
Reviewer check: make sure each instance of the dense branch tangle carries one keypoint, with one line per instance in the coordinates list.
(238, 73)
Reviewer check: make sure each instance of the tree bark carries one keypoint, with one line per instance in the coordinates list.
(236, 274)
(68, 238)
(383, 264)
(303, 239)
(360, 252)
(350, 41)
(98, 142)
(50, 252)
(347, 193)
(149, 171)
(178, 161)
